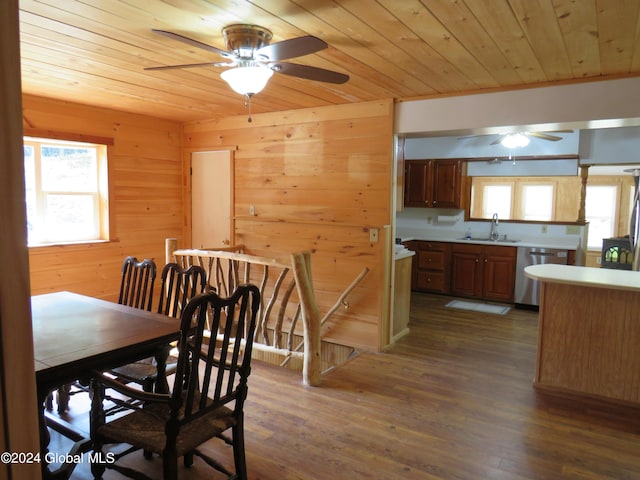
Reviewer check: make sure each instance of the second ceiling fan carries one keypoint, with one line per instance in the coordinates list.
(522, 138)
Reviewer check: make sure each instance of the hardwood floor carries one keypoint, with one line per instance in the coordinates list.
(453, 400)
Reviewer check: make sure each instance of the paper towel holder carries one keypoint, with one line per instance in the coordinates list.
(447, 219)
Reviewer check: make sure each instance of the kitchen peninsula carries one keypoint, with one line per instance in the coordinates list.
(588, 332)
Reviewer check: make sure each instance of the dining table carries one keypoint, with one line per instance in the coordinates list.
(75, 335)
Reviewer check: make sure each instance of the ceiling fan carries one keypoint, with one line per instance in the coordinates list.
(254, 59)
(522, 138)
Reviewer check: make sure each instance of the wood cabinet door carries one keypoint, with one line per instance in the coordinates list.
(466, 274)
(446, 184)
(417, 183)
(499, 273)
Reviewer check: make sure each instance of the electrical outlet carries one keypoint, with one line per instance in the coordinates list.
(373, 235)
(544, 229)
(573, 230)
(252, 210)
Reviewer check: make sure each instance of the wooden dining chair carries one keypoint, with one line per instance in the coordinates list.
(178, 286)
(136, 290)
(137, 282)
(207, 397)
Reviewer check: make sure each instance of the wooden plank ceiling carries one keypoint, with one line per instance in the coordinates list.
(94, 51)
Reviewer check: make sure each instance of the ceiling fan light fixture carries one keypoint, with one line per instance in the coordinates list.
(247, 80)
(515, 140)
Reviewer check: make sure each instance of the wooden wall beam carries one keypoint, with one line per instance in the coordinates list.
(19, 415)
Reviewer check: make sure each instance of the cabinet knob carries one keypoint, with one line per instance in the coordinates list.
(485, 260)
(477, 260)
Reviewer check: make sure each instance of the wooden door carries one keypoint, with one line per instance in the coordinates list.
(211, 199)
(417, 183)
(446, 183)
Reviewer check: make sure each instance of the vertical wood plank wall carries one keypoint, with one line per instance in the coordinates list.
(319, 180)
(18, 405)
(146, 196)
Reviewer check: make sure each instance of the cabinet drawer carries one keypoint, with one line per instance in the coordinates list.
(468, 248)
(432, 282)
(431, 260)
(433, 246)
(501, 251)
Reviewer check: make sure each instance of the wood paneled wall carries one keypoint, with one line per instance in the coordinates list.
(19, 426)
(146, 195)
(319, 180)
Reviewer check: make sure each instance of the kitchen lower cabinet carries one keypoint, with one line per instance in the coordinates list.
(483, 271)
(431, 266)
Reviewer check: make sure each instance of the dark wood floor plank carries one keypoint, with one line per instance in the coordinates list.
(453, 400)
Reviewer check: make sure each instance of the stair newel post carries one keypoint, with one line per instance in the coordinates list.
(311, 370)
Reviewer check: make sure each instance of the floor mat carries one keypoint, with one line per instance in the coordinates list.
(479, 307)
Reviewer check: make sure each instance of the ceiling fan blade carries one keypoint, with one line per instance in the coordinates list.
(188, 65)
(498, 140)
(471, 136)
(544, 136)
(294, 47)
(192, 42)
(310, 73)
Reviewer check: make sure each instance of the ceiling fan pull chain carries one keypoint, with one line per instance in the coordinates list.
(247, 104)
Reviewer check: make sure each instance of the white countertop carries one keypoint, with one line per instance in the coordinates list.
(401, 252)
(539, 242)
(585, 276)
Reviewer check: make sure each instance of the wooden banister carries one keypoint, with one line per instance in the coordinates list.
(287, 294)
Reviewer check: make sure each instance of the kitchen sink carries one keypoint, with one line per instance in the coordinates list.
(487, 239)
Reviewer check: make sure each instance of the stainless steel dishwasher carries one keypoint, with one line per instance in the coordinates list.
(527, 290)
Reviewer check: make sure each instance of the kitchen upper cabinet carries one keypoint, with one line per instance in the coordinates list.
(432, 183)
(483, 271)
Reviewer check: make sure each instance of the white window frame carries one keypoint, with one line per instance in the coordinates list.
(42, 234)
(521, 188)
(591, 243)
(479, 187)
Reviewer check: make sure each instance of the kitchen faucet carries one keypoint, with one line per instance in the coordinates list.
(494, 235)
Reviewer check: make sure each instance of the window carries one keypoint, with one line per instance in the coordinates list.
(497, 199)
(66, 195)
(518, 198)
(537, 202)
(600, 212)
